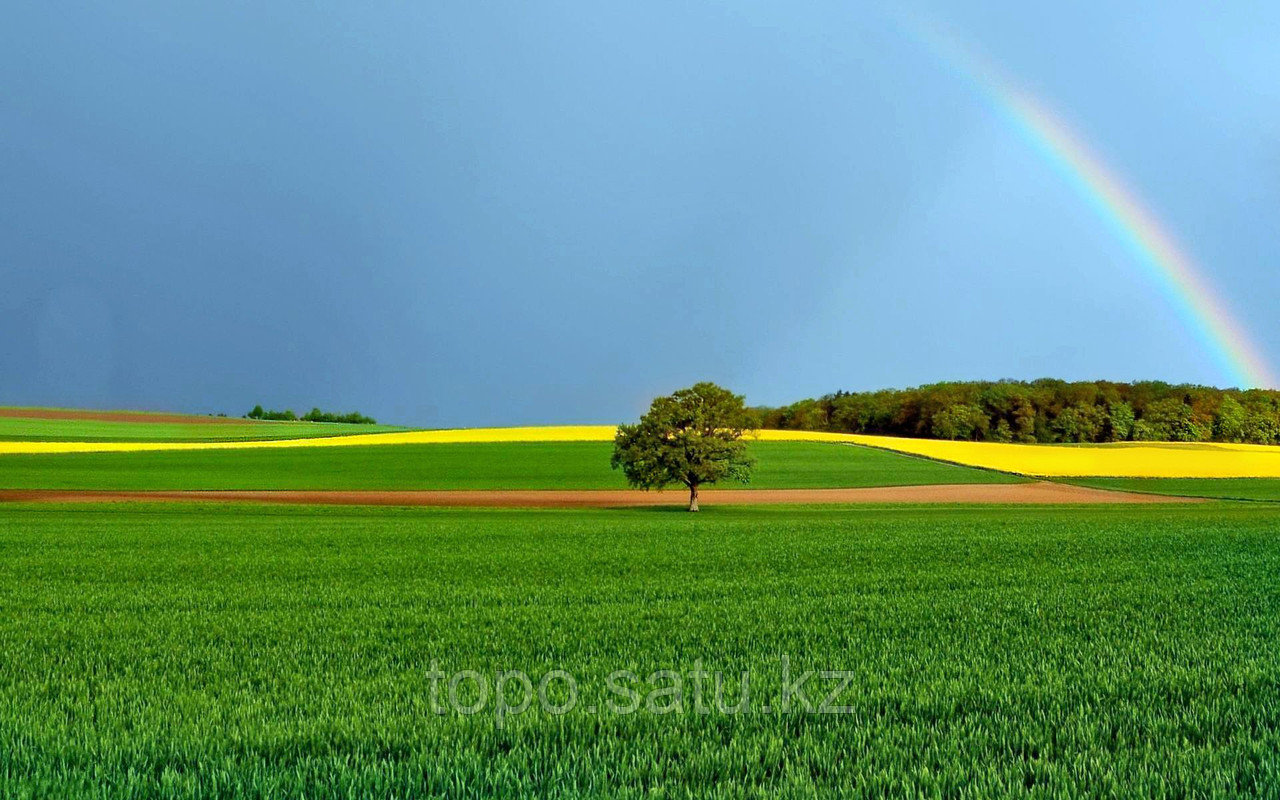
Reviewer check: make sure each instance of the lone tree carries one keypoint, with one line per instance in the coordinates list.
(693, 437)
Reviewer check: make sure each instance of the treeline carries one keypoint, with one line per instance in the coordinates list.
(1043, 411)
(314, 415)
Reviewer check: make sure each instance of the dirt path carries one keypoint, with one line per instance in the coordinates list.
(1040, 493)
(113, 416)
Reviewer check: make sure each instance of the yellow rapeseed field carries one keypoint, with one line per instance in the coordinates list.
(553, 433)
(1128, 460)
(1125, 460)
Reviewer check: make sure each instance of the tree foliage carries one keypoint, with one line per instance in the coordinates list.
(960, 421)
(257, 413)
(354, 418)
(314, 415)
(1043, 411)
(692, 437)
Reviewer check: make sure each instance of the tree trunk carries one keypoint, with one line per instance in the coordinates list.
(693, 497)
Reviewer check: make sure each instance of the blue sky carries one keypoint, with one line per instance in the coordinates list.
(481, 213)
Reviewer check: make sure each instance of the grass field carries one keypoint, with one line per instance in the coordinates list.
(506, 465)
(283, 652)
(22, 429)
(1221, 488)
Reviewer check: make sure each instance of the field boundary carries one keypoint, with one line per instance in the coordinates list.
(92, 415)
(1079, 482)
(1037, 493)
(932, 459)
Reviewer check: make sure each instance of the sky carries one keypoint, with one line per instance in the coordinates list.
(455, 214)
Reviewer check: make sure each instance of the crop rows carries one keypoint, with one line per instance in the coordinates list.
(287, 652)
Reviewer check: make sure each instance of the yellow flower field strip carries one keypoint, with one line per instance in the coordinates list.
(559, 433)
(1146, 460)
(1129, 460)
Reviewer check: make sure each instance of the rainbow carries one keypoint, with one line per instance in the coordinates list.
(1176, 274)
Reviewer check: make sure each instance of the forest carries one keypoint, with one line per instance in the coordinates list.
(1044, 411)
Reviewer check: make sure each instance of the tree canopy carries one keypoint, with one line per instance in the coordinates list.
(1043, 411)
(692, 437)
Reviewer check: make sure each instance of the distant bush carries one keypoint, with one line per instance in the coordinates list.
(1043, 411)
(257, 413)
(354, 418)
(314, 415)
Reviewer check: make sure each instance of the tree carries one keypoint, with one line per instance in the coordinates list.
(1120, 421)
(692, 437)
(1002, 433)
(1079, 422)
(805, 415)
(1228, 423)
(256, 413)
(960, 421)
(1261, 425)
(1172, 420)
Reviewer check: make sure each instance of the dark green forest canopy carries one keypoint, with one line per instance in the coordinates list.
(1044, 411)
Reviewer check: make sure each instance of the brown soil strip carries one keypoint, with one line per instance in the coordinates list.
(1040, 493)
(111, 416)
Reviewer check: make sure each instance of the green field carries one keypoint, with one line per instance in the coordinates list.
(1220, 488)
(507, 465)
(286, 652)
(216, 430)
